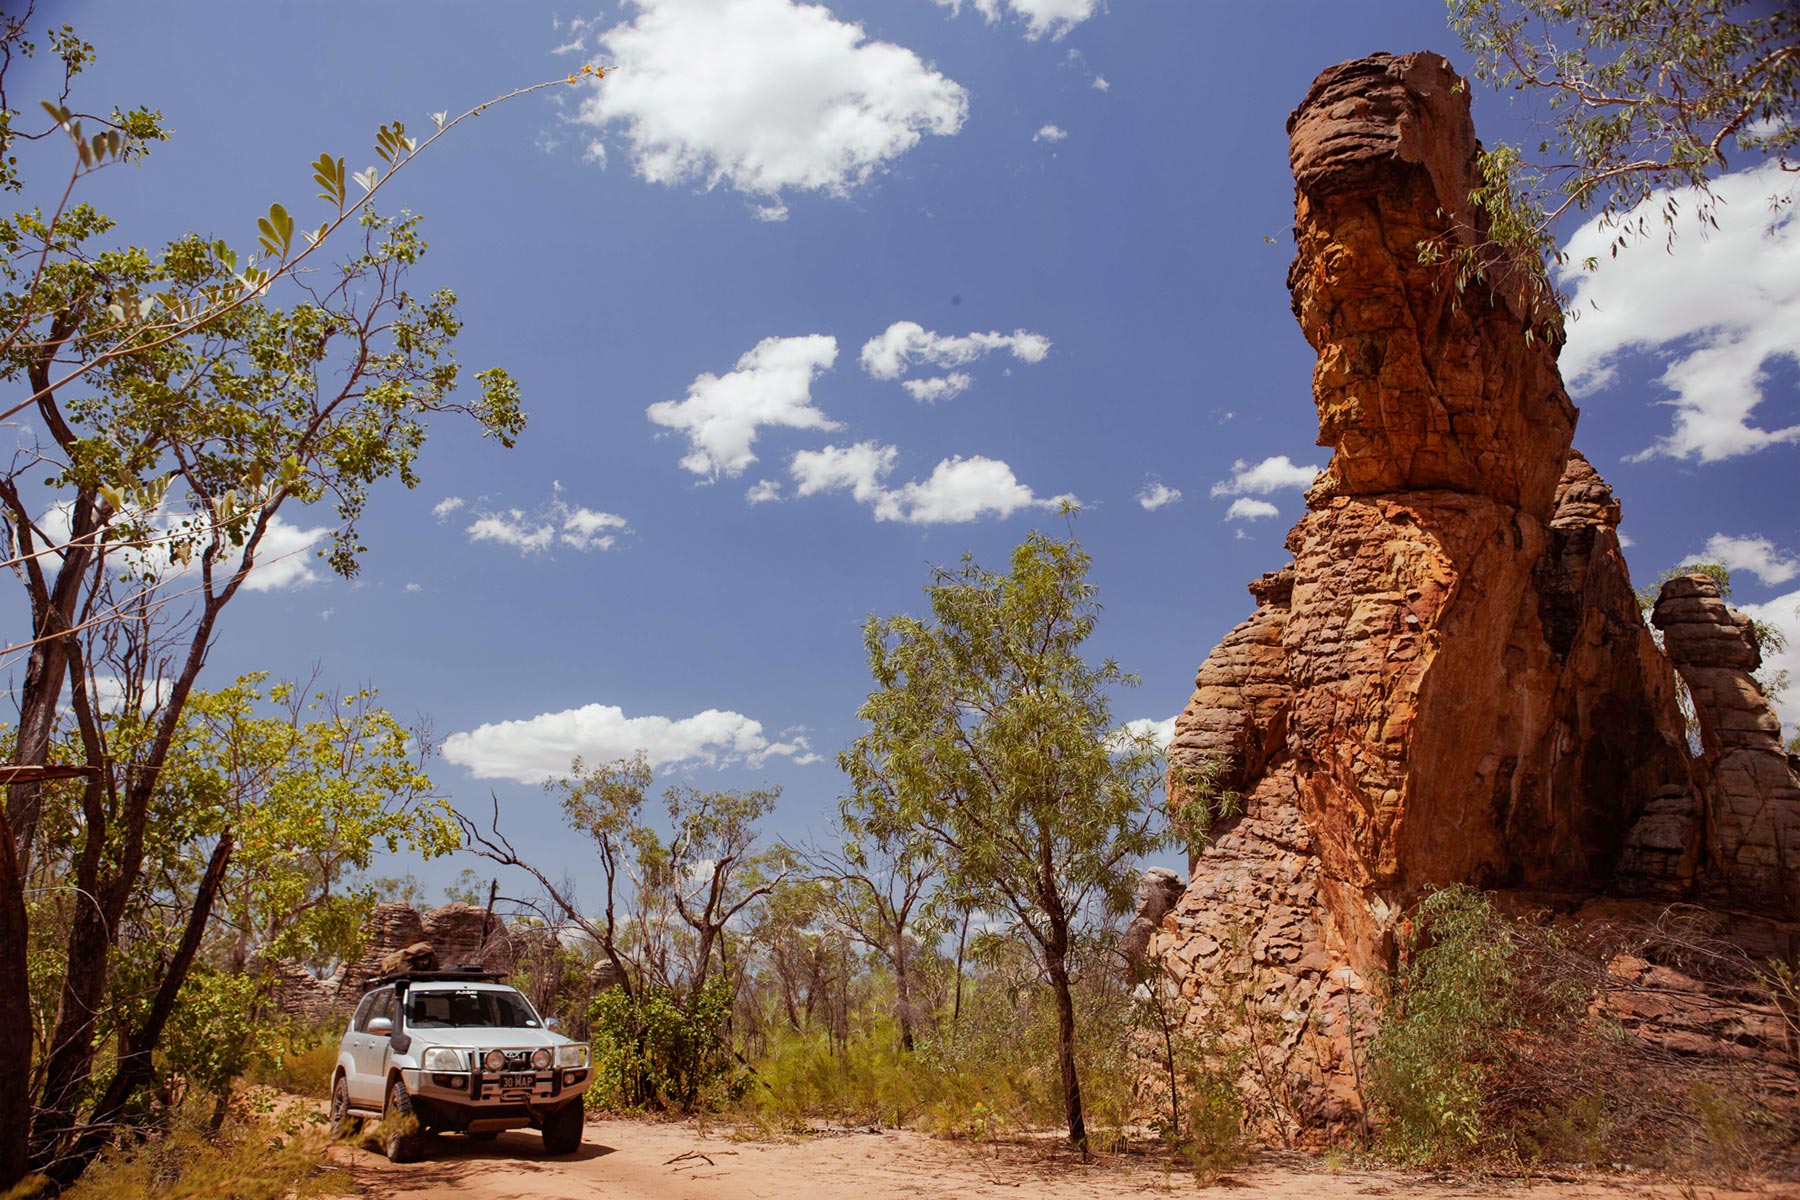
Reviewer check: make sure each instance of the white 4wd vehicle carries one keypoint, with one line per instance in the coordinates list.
(457, 1051)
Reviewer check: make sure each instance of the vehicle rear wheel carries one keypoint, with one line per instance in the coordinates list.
(402, 1137)
(562, 1129)
(343, 1125)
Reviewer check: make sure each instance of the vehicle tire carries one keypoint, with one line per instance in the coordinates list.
(402, 1137)
(562, 1129)
(343, 1125)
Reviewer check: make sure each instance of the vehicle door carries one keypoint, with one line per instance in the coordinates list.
(369, 1053)
(352, 1039)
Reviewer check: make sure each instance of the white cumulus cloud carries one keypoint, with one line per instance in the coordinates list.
(1155, 495)
(446, 506)
(938, 387)
(1050, 133)
(1259, 479)
(957, 490)
(1757, 555)
(1042, 17)
(557, 523)
(764, 96)
(1718, 309)
(770, 386)
(1245, 508)
(763, 491)
(541, 747)
(893, 352)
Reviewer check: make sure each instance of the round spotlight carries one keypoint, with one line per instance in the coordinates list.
(494, 1060)
(541, 1060)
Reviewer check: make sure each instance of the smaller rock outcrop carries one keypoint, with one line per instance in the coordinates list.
(396, 937)
(1157, 891)
(604, 975)
(460, 933)
(1752, 811)
(389, 929)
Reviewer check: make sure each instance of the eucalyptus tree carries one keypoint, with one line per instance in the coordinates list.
(879, 892)
(1631, 100)
(991, 733)
(312, 784)
(172, 404)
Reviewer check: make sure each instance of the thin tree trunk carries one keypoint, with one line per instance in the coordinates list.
(962, 942)
(1056, 956)
(15, 1017)
(903, 986)
(52, 607)
(136, 1065)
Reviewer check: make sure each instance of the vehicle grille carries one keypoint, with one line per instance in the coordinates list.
(516, 1060)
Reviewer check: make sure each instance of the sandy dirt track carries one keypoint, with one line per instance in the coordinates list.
(638, 1160)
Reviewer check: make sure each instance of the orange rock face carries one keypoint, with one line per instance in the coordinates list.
(1461, 681)
(1452, 682)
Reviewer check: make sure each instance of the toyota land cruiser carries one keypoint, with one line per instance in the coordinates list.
(455, 1050)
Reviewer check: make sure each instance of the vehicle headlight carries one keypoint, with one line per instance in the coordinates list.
(541, 1059)
(572, 1055)
(494, 1061)
(443, 1058)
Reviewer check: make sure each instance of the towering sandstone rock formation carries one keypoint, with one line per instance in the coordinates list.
(1452, 681)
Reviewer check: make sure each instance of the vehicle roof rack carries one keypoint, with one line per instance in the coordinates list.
(468, 973)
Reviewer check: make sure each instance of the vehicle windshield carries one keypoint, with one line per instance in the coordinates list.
(470, 1008)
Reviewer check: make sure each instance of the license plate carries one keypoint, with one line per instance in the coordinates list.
(516, 1080)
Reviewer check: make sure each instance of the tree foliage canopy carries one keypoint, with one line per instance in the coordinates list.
(991, 732)
(1637, 98)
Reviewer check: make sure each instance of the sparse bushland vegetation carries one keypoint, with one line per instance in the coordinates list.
(266, 1152)
(994, 805)
(1501, 1047)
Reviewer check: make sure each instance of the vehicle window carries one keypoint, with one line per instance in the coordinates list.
(375, 1004)
(360, 1022)
(469, 1009)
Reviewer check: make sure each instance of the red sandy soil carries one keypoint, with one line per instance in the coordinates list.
(642, 1160)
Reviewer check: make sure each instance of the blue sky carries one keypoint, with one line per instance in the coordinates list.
(1071, 204)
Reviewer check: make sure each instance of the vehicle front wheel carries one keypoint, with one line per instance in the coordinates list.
(343, 1125)
(562, 1129)
(402, 1138)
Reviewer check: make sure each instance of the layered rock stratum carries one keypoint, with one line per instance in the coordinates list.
(1452, 681)
(455, 934)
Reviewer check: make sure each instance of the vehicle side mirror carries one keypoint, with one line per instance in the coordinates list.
(553, 1025)
(380, 1027)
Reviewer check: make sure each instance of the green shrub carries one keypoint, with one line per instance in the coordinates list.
(656, 1050)
(1485, 1039)
(1214, 1141)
